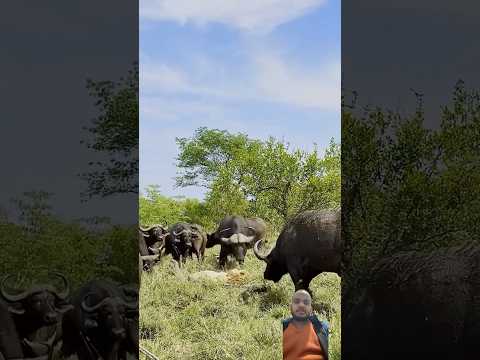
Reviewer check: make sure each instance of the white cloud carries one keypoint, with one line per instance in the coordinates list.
(250, 15)
(172, 110)
(271, 78)
(161, 77)
(279, 81)
(158, 78)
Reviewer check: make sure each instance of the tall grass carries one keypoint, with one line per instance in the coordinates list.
(207, 319)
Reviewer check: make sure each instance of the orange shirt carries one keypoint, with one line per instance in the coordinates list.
(301, 344)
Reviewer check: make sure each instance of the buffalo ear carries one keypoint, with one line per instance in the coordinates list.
(16, 308)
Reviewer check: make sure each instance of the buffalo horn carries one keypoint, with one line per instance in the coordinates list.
(150, 227)
(12, 297)
(130, 292)
(156, 251)
(150, 257)
(257, 253)
(90, 309)
(66, 288)
(224, 230)
(180, 233)
(130, 305)
(240, 239)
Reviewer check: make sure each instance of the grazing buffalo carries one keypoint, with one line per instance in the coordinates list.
(418, 306)
(308, 245)
(235, 235)
(104, 323)
(184, 240)
(37, 313)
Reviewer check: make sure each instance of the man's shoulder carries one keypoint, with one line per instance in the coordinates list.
(286, 322)
(317, 324)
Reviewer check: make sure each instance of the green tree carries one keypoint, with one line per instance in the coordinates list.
(158, 209)
(34, 210)
(114, 134)
(155, 208)
(258, 178)
(407, 186)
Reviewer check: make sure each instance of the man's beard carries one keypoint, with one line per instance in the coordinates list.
(300, 318)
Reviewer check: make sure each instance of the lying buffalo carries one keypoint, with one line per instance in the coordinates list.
(184, 240)
(235, 235)
(308, 245)
(418, 306)
(104, 323)
(37, 313)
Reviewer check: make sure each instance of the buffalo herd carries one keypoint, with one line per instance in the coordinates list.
(99, 321)
(415, 305)
(309, 244)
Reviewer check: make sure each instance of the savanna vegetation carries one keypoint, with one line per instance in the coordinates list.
(39, 242)
(183, 318)
(248, 177)
(35, 241)
(407, 186)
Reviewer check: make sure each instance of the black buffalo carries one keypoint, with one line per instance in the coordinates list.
(418, 306)
(151, 242)
(10, 345)
(184, 240)
(104, 322)
(154, 239)
(37, 313)
(308, 245)
(235, 235)
(198, 238)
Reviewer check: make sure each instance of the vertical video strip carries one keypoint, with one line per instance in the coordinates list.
(69, 200)
(240, 183)
(410, 187)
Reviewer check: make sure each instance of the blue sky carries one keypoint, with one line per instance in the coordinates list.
(263, 67)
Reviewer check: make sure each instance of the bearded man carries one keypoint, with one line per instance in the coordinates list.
(305, 337)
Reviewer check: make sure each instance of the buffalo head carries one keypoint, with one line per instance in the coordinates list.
(41, 304)
(236, 245)
(275, 268)
(154, 238)
(235, 235)
(179, 242)
(108, 315)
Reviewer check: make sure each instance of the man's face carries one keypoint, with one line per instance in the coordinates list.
(301, 306)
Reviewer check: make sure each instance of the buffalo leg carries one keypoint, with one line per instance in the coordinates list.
(222, 257)
(197, 253)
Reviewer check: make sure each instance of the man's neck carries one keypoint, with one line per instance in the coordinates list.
(299, 323)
